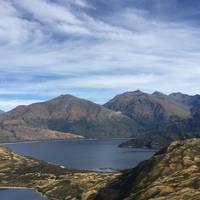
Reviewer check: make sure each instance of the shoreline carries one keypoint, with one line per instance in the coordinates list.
(52, 140)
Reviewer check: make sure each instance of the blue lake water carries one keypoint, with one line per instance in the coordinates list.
(20, 194)
(102, 155)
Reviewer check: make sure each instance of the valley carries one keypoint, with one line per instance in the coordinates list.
(172, 173)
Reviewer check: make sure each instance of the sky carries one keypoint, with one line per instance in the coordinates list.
(95, 49)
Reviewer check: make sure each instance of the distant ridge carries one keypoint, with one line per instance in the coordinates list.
(165, 118)
(152, 111)
(153, 119)
(70, 114)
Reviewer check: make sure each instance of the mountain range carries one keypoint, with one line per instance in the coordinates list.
(153, 111)
(153, 120)
(165, 118)
(66, 114)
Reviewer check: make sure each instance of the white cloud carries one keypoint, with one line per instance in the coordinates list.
(47, 12)
(8, 104)
(125, 50)
(81, 3)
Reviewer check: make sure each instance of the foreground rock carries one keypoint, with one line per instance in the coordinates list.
(55, 182)
(173, 173)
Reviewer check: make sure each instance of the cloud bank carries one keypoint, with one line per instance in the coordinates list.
(96, 49)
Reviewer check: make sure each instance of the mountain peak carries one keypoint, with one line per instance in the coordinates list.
(157, 93)
(184, 99)
(71, 114)
(133, 93)
(150, 110)
(180, 94)
(138, 92)
(64, 96)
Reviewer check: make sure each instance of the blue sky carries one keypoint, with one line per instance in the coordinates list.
(96, 49)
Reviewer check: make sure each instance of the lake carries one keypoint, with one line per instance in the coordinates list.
(99, 155)
(20, 194)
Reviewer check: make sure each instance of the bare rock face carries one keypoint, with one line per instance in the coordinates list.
(67, 114)
(173, 173)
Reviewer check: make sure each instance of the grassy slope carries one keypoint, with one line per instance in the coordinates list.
(51, 180)
(173, 173)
